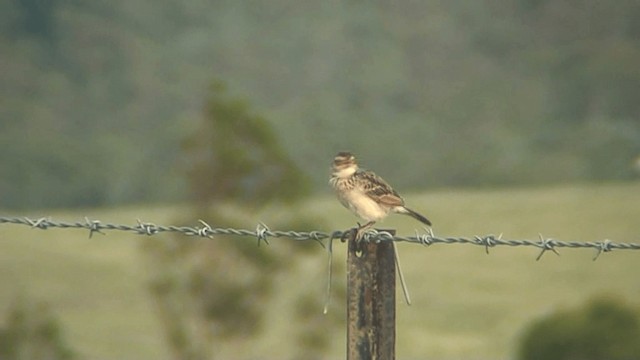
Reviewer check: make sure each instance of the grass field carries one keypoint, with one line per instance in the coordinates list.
(467, 305)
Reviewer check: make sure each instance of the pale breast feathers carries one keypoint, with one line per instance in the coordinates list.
(378, 189)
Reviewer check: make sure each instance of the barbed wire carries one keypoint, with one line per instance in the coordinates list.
(263, 233)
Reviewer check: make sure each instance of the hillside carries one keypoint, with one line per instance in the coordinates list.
(96, 98)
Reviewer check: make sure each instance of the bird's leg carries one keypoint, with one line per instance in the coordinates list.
(362, 229)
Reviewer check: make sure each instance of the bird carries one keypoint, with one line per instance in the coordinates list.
(366, 194)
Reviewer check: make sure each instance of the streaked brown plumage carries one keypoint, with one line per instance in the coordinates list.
(365, 193)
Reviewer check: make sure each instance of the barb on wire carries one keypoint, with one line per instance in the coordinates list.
(425, 239)
(204, 231)
(263, 232)
(94, 226)
(41, 223)
(546, 244)
(487, 241)
(604, 246)
(147, 228)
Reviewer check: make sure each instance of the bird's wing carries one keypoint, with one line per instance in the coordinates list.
(376, 188)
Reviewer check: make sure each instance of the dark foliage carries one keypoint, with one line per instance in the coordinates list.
(604, 329)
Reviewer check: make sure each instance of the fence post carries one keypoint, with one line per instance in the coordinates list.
(371, 300)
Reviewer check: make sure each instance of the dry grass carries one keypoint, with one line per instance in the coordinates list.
(467, 305)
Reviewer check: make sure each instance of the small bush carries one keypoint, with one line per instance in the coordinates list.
(603, 329)
(32, 332)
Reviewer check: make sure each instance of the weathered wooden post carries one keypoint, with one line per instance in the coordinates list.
(371, 300)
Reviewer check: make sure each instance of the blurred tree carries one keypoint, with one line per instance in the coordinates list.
(37, 18)
(32, 332)
(603, 329)
(213, 290)
(236, 156)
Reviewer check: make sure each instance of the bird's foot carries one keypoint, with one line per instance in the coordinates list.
(361, 230)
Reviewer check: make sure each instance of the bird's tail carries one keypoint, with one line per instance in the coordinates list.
(415, 215)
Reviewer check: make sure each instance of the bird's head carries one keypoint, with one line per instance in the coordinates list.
(344, 165)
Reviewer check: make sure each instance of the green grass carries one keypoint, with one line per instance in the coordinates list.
(467, 305)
